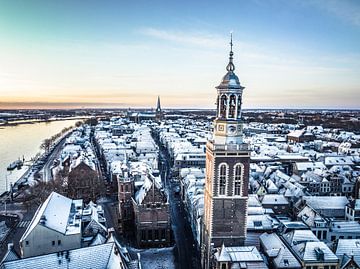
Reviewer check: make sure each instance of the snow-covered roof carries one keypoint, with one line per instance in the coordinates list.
(312, 251)
(304, 166)
(308, 247)
(276, 249)
(58, 213)
(85, 160)
(272, 199)
(261, 222)
(104, 256)
(296, 133)
(149, 182)
(350, 247)
(326, 202)
(238, 254)
(345, 226)
(338, 160)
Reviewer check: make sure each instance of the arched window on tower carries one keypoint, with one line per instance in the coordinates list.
(232, 106)
(223, 106)
(222, 179)
(239, 107)
(238, 171)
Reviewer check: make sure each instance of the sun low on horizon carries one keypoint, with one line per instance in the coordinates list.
(96, 54)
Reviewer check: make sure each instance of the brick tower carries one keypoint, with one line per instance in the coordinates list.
(227, 171)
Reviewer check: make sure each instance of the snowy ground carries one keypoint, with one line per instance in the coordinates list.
(157, 258)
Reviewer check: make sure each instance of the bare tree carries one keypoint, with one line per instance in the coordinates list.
(45, 145)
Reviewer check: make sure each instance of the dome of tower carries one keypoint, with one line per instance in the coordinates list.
(230, 81)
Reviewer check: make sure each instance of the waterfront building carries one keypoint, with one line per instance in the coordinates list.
(227, 172)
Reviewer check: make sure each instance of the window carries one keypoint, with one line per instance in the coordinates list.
(239, 107)
(126, 188)
(150, 234)
(232, 106)
(257, 223)
(223, 265)
(143, 235)
(162, 233)
(26, 243)
(223, 106)
(156, 234)
(59, 242)
(237, 179)
(222, 179)
(53, 243)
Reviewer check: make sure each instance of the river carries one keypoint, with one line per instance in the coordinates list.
(24, 140)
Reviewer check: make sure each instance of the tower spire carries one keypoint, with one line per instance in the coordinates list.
(231, 67)
(158, 106)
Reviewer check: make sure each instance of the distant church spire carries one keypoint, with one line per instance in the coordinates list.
(158, 106)
(159, 114)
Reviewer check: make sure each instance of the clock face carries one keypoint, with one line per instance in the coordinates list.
(221, 127)
(232, 129)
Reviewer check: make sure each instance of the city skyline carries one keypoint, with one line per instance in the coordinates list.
(302, 54)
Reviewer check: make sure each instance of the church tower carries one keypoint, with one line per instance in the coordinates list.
(158, 112)
(227, 171)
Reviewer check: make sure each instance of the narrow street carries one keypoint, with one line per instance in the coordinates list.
(187, 256)
(47, 175)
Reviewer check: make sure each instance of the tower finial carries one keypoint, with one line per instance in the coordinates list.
(231, 66)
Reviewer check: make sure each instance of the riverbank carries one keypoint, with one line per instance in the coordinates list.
(35, 167)
(33, 121)
(25, 141)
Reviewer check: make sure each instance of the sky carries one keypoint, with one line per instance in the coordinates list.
(288, 54)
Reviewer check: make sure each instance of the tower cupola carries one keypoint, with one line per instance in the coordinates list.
(228, 126)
